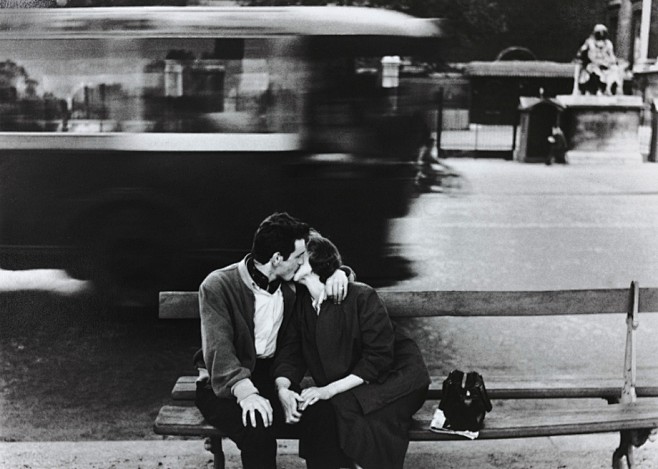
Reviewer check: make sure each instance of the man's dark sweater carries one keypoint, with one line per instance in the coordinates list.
(227, 307)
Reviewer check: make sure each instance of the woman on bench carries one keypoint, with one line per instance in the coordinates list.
(369, 378)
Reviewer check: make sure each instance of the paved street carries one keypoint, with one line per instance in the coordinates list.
(522, 226)
(518, 226)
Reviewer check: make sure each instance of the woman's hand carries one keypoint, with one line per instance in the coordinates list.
(336, 286)
(313, 394)
(290, 401)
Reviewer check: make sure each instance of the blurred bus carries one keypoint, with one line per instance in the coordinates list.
(140, 147)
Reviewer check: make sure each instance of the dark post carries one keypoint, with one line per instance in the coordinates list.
(517, 119)
(439, 120)
(101, 91)
(654, 132)
(87, 101)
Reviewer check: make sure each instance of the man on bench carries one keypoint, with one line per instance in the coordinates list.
(244, 309)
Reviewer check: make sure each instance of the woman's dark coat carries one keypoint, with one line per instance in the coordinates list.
(358, 337)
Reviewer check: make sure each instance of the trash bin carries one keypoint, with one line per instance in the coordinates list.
(537, 117)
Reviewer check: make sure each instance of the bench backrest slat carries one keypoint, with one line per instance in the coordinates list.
(648, 300)
(182, 305)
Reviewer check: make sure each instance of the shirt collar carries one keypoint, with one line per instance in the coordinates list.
(260, 279)
(317, 304)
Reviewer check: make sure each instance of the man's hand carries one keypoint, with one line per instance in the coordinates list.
(256, 403)
(336, 286)
(313, 394)
(290, 401)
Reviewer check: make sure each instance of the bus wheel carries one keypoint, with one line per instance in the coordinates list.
(129, 254)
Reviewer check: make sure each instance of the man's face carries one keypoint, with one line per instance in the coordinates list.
(286, 268)
(304, 270)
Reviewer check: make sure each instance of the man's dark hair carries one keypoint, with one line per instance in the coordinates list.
(323, 256)
(277, 233)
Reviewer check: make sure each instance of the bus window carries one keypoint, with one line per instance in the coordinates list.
(149, 85)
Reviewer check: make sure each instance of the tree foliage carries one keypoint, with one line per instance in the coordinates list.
(551, 29)
(472, 17)
(10, 70)
(474, 21)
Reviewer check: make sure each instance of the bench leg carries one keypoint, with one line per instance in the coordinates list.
(214, 445)
(628, 441)
(623, 452)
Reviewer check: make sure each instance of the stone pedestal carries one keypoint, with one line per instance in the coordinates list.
(602, 128)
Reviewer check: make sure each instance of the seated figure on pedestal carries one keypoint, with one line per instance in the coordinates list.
(598, 71)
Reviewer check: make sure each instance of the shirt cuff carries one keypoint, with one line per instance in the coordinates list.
(243, 389)
(203, 375)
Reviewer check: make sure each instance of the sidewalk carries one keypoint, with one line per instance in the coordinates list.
(571, 452)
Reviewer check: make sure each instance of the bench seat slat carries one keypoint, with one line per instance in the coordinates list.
(185, 389)
(501, 423)
(529, 423)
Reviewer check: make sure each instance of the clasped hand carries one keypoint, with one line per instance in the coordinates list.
(294, 404)
(291, 403)
(314, 394)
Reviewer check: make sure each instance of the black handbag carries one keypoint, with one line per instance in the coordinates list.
(464, 402)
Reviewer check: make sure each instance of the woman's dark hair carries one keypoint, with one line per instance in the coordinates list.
(277, 233)
(323, 256)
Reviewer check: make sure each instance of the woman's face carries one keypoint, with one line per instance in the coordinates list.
(304, 270)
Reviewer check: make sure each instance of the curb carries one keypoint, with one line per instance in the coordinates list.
(564, 452)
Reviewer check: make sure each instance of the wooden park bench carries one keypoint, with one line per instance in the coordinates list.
(625, 411)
